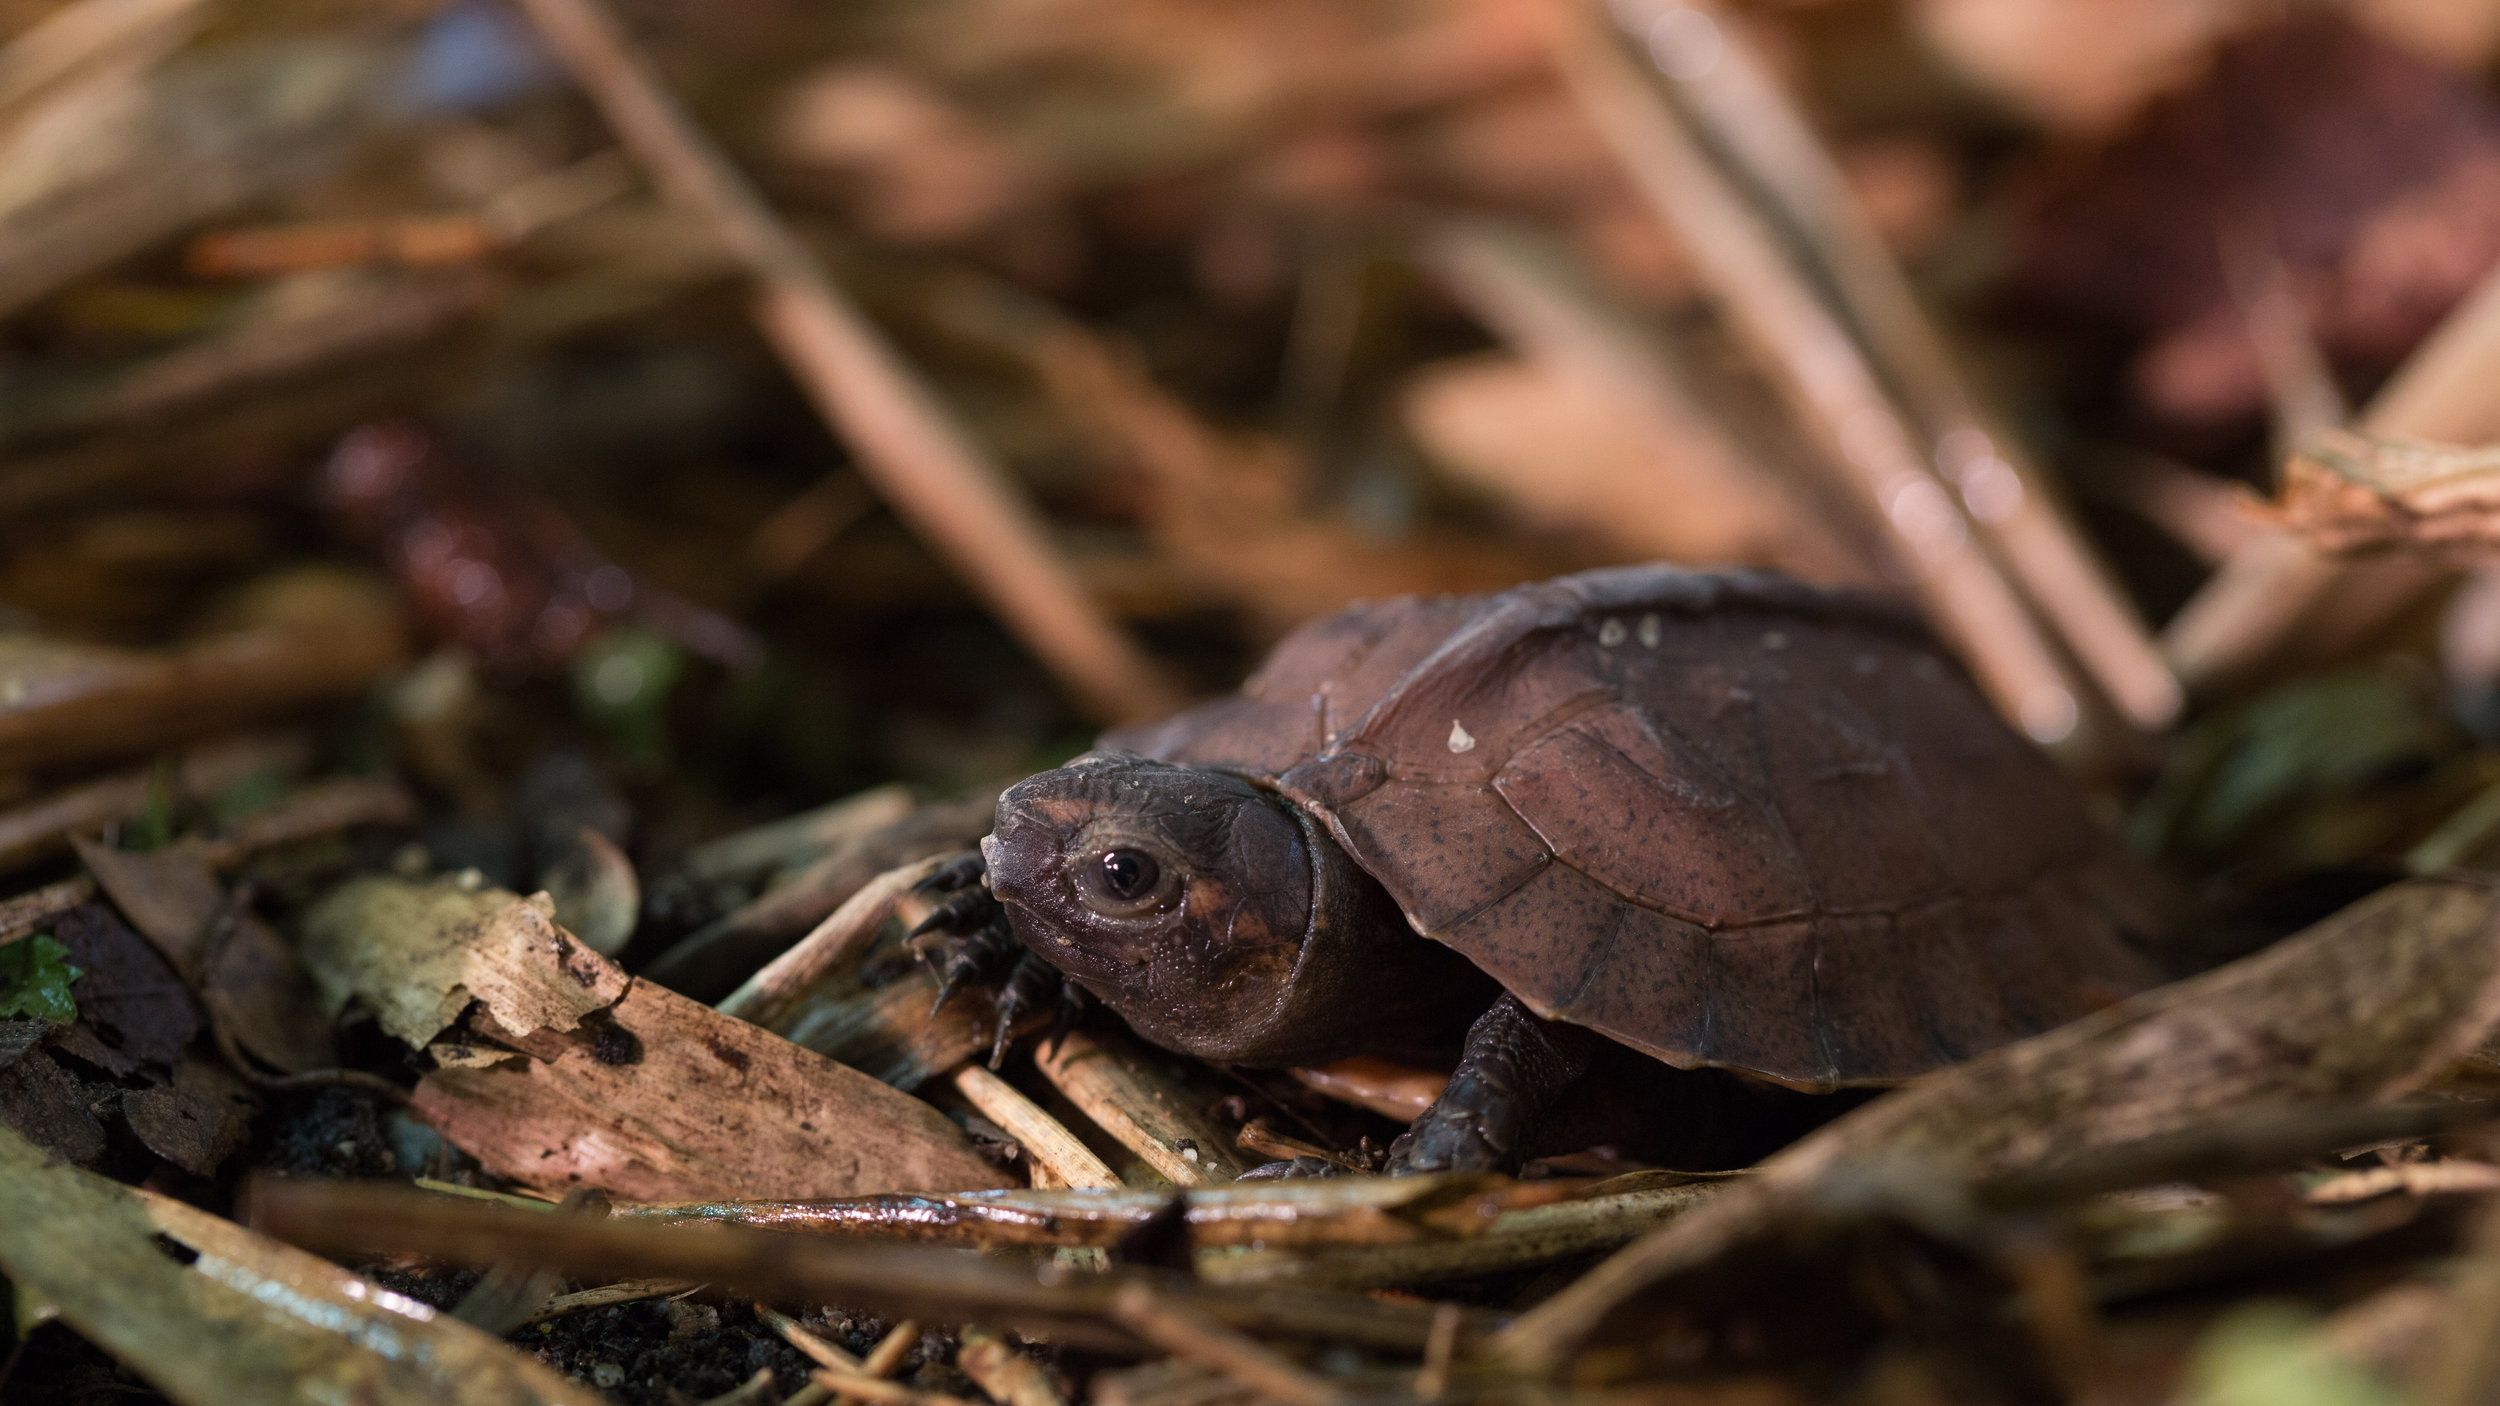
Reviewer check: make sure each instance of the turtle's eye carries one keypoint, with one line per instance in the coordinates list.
(1124, 881)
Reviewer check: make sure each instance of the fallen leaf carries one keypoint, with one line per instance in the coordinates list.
(195, 1121)
(133, 1010)
(2367, 177)
(35, 980)
(2369, 1004)
(663, 1098)
(247, 1319)
(48, 1106)
(2349, 492)
(258, 989)
(415, 954)
(597, 894)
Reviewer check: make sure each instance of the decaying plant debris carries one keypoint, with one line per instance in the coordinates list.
(528, 530)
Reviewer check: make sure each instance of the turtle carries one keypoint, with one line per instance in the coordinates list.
(1601, 836)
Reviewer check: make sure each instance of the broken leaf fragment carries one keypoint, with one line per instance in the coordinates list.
(35, 978)
(571, 1073)
(245, 1319)
(416, 954)
(663, 1098)
(2345, 491)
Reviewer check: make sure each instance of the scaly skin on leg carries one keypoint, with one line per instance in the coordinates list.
(1513, 1074)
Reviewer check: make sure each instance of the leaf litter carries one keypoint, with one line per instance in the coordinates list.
(470, 733)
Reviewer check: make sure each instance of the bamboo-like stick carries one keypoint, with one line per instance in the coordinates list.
(1940, 482)
(919, 459)
(1755, 132)
(772, 993)
(1045, 1139)
(1140, 1107)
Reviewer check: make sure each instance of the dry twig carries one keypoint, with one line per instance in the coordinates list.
(923, 464)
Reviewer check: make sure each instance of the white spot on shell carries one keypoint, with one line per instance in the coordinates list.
(1461, 740)
(1611, 633)
(1649, 632)
(1773, 639)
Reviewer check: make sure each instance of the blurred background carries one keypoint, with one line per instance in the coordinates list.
(766, 400)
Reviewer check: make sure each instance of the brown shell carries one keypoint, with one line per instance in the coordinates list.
(1723, 818)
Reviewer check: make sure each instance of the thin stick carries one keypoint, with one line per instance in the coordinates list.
(920, 1281)
(1005, 1375)
(907, 446)
(1140, 1108)
(1755, 132)
(606, 1295)
(823, 1353)
(89, 37)
(1045, 1139)
(839, 1371)
(773, 992)
(1576, 334)
(1440, 1350)
(1809, 350)
(859, 1387)
(43, 826)
(1185, 1334)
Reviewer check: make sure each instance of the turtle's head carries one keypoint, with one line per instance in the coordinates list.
(1186, 900)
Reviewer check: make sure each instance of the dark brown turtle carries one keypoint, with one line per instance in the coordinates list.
(1725, 821)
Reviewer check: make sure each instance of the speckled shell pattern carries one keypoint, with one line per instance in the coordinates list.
(1724, 818)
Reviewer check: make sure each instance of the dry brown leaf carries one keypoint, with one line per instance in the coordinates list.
(248, 1319)
(2358, 178)
(1557, 450)
(258, 989)
(666, 1099)
(2345, 491)
(1599, 425)
(416, 954)
(313, 641)
(617, 1084)
(2369, 1004)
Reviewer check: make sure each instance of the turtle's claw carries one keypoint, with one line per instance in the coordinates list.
(964, 871)
(1070, 1010)
(1018, 994)
(961, 912)
(965, 939)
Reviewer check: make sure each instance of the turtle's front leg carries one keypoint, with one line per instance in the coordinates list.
(1515, 1070)
(967, 941)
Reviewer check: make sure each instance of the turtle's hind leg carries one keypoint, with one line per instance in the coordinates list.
(1515, 1072)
